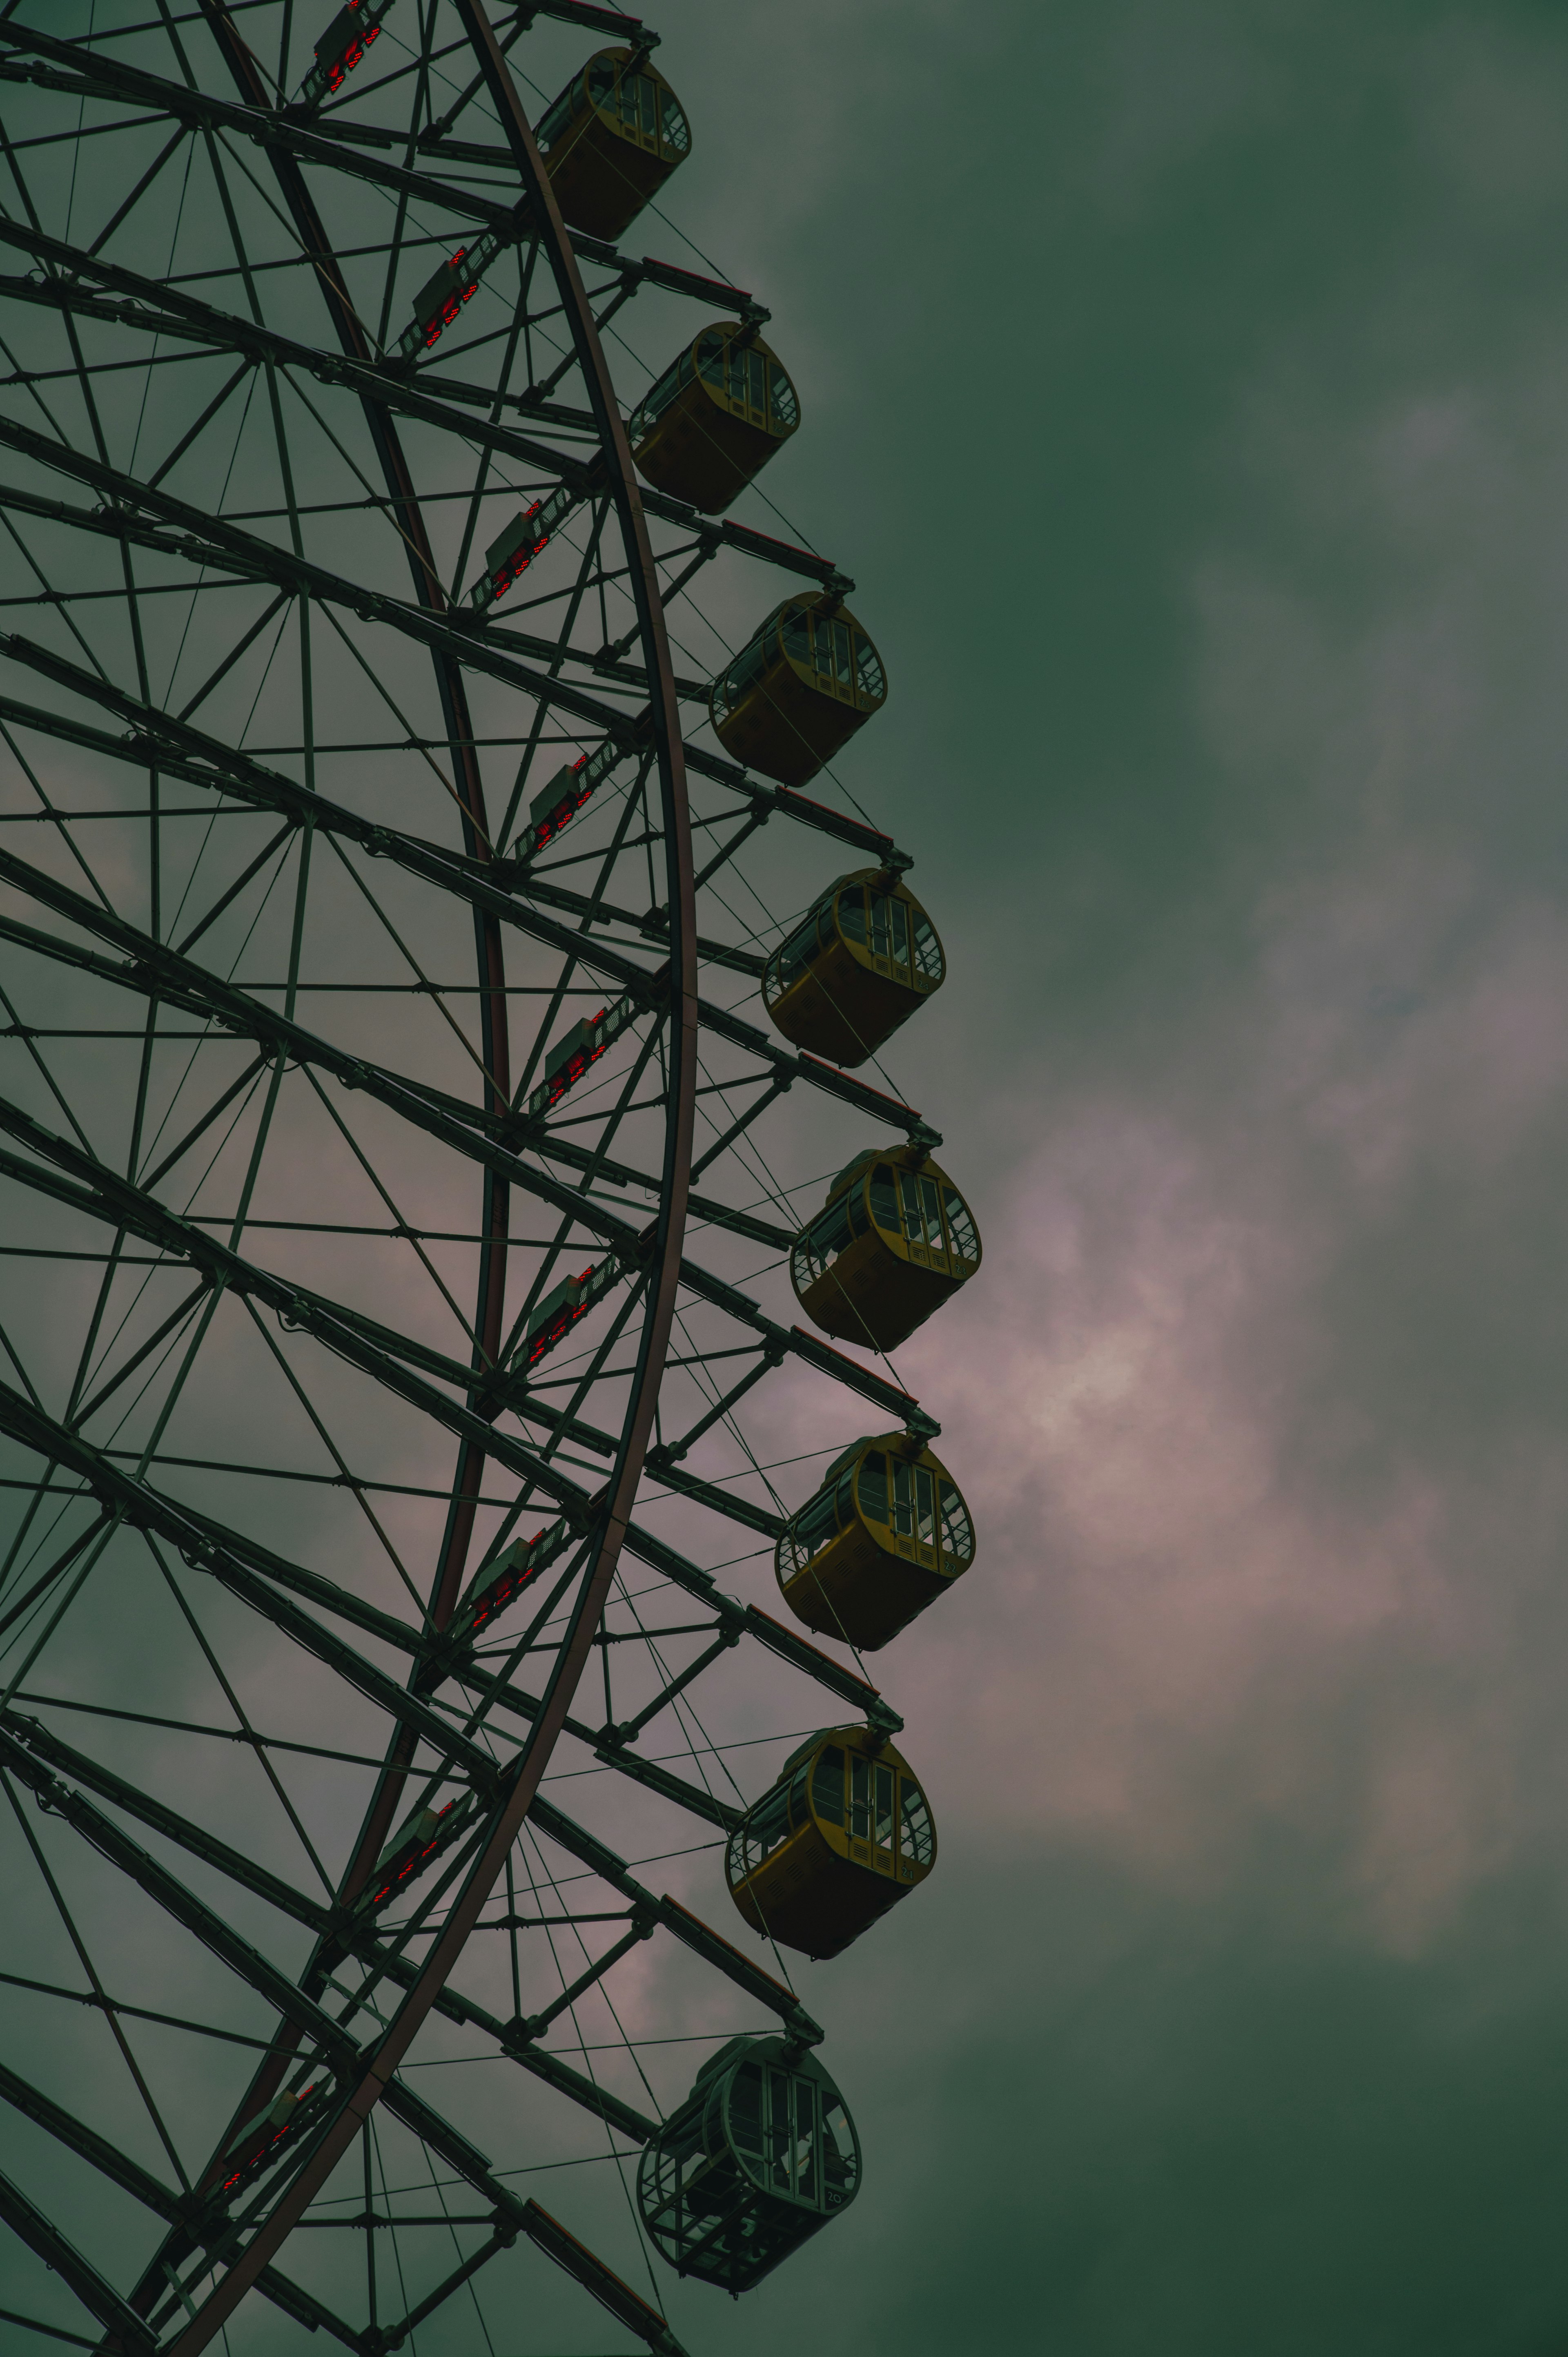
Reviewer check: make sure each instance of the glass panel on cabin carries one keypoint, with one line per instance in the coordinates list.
(830, 1234)
(745, 2114)
(841, 2159)
(960, 1227)
(672, 122)
(747, 667)
(838, 659)
(827, 1785)
(925, 1506)
(927, 956)
(779, 2132)
(767, 1826)
(786, 411)
(844, 1496)
(884, 1197)
(903, 1499)
(881, 940)
(808, 2142)
(859, 1795)
(796, 953)
(958, 1537)
(873, 1486)
(851, 913)
(931, 1205)
(916, 1840)
(821, 648)
(922, 1211)
(869, 670)
(796, 632)
(656, 402)
(883, 1819)
(570, 103)
(813, 1526)
(900, 933)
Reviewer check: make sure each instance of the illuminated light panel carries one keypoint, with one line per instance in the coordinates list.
(583, 1045)
(341, 48)
(274, 2126)
(444, 294)
(563, 797)
(499, 1582)
(560, 1310)
(512, 551)
(426, 1831)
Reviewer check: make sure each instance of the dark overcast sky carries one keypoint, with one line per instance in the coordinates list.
(1186, 394)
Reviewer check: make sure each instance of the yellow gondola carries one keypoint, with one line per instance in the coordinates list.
(841, 1837)
(798, 689)
(893, 1242)
(714, 418)
(612, 140)
(887, 1534)
(855, 969)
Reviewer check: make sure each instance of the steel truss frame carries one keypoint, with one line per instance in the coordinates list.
(379, 1966)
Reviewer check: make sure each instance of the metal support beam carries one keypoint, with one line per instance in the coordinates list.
(692, 1934)
(175, 2208)
(630, 1729)
(538, 2023)
(238, 1564)
(121, 1205)
(154, 972)
(62, 2258)
(47, 1747)
(247, 1963)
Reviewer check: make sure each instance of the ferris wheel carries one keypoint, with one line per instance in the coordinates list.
(448, 1426)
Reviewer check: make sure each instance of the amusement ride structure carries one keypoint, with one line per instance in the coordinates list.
(427, 916)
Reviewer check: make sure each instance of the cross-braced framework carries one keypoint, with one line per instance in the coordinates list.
(388, 1400)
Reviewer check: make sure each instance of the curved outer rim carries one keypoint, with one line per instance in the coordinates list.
(572, 1656)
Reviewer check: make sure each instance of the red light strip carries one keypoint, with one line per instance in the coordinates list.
(342, 48)
(441, 297)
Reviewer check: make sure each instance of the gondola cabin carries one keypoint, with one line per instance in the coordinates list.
(887, 1534)
(610, 141)
(714, 418)
(758, 2158)
(857, 967)
(893, 1242)
(799, 690)
(841, 1837)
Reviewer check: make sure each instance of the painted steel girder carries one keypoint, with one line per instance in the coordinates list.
(175, 2209)
(62, 2258)
(154, 309)
(208, 541)
(88, 73)
(338, 2050)
(472, 880)
(158, 971)
(62, 1757)
(239, 1564)
(119, 1203)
